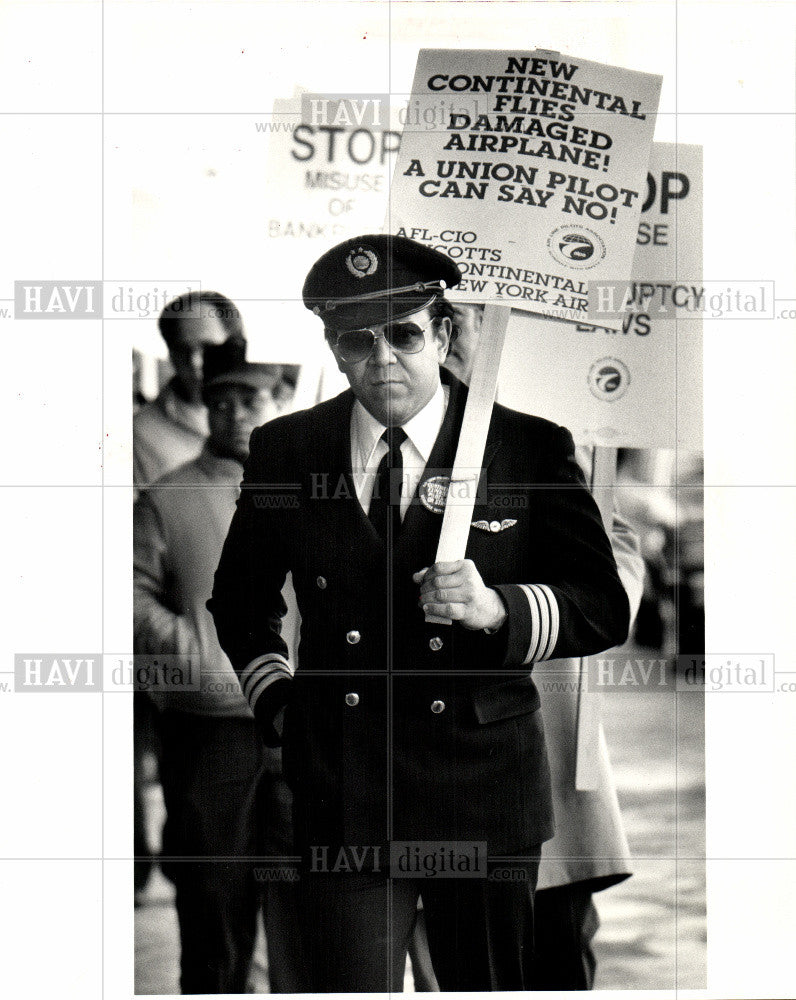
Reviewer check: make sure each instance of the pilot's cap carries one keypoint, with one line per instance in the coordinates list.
(376, 279)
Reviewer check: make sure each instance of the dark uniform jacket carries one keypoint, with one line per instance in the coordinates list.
(396, 729)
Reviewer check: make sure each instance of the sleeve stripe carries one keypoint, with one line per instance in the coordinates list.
(262, 665)
(544, 612)
(263, 682)
(533, 605)
(554, 621)
(544, 621)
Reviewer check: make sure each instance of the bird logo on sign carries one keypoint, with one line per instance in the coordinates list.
(608, 379)
(575, 246)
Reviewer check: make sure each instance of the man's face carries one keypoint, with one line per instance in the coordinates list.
(462, 353)
(391, 385)
(233, 412)
(185, 352)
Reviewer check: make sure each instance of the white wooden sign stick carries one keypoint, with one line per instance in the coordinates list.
(587, 753)
(472, 439)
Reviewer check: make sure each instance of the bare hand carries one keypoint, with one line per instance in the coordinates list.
(456, 591)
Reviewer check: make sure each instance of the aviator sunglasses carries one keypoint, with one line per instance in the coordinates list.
(356, 345)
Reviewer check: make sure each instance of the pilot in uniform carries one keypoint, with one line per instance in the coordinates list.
(415, 751)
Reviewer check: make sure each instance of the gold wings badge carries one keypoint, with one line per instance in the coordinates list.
(494, 526)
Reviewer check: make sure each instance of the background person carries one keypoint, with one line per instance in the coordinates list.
(168, 431)
(171, 429)
(211, 755)
(589, 851)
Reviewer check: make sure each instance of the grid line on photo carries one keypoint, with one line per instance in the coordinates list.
(102, 480)
(104, 485)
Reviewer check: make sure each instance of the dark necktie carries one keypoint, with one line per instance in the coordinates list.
(385, 504)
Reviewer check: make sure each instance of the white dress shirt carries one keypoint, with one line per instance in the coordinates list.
(368, 449)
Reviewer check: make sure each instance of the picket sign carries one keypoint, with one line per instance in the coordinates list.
(472, 439)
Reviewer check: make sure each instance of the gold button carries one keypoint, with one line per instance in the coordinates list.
(437, 707)
(352, 699)
(321, 581)
(435, 644)
(494, 526)
(353, 637)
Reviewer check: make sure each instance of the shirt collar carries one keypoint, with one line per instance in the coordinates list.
(421, 430)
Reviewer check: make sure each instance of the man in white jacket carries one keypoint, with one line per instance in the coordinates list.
(589, 851)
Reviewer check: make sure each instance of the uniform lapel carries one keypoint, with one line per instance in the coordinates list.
(333, 462)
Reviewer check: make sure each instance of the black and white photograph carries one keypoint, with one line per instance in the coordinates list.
(417, 377)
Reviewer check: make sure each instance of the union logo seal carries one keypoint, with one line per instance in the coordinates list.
(362, 262)
(576, 246)
(433, 493)
(608, 379)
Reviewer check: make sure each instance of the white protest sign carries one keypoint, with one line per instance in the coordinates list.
(527, 170)
(639, 386)
(329, 159)
(327, 174)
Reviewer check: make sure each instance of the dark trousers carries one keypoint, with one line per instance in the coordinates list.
(357, 929)
(282, 916)
(566, 922)
(209, 769)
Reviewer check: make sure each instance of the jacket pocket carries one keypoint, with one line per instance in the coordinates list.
(506, 700)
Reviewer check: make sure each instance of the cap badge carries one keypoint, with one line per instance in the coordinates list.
(361, 262)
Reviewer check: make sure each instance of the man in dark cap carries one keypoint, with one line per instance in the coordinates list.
(211, 755)
(172, 428)
(415, 750)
